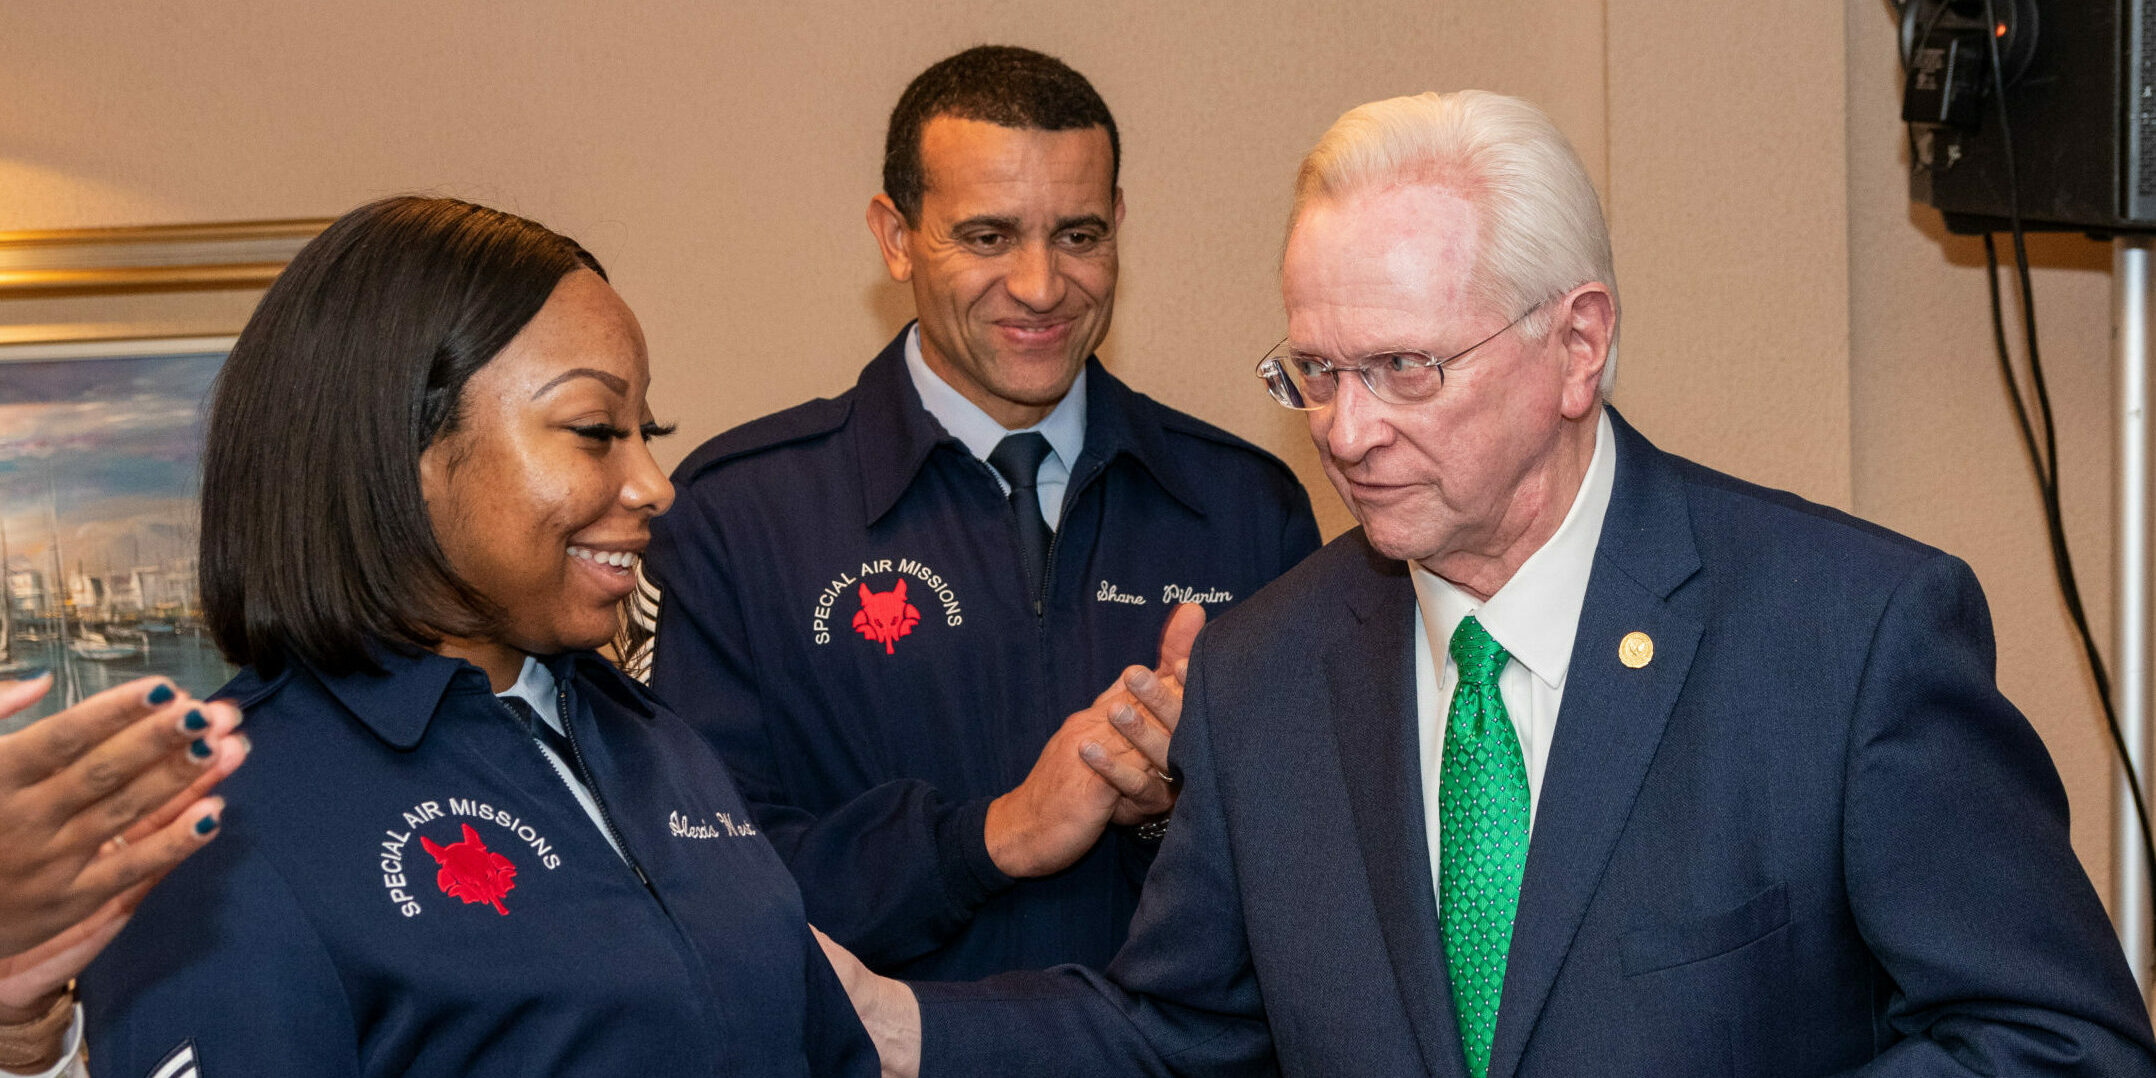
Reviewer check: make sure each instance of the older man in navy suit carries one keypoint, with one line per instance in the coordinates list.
(1577, 758)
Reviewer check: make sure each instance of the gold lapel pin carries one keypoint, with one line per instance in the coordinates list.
(1635, 650)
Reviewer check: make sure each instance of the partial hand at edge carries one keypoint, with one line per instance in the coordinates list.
(888, 1009)
(102, 798)
(97, 803)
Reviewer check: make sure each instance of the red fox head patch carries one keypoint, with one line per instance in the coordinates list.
(885, 615)
(472, 872)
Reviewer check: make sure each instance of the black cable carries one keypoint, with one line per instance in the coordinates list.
(2044, 483)
(1909, 57)
(1922, 39)
(2046, 463)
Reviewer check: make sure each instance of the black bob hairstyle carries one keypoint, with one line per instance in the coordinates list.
(999, 84)
(316, 541)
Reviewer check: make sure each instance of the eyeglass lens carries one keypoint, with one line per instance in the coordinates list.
(1306, 382)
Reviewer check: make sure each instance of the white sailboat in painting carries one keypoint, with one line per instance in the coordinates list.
(70, 676)
(93, 645)
(85, 642)
(11, 664)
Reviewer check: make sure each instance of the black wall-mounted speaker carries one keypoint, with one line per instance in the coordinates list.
(2080, 102)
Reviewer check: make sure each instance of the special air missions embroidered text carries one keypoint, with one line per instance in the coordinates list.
(467, 867)
(884, 616)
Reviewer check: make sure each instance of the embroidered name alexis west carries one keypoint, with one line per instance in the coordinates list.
(721, 825)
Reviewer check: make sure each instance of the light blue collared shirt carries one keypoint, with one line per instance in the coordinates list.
(979, 432)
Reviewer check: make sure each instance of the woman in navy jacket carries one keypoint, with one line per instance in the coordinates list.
(468, 845)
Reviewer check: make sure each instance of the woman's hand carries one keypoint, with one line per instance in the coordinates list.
(97, 803)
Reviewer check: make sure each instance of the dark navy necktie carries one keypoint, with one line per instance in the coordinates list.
(1018, 457)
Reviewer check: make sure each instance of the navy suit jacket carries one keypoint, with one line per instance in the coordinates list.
(1809, 837)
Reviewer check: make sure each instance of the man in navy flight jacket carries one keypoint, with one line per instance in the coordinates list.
(881, 607)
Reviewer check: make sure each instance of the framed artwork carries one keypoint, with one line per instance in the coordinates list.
(100, 466)
(101, 451)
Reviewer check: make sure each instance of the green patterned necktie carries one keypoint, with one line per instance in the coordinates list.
(1482, 829)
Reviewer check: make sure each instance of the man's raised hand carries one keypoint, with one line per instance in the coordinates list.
(1143, 707)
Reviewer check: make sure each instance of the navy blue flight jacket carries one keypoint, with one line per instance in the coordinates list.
(845, 616)
(407, 886)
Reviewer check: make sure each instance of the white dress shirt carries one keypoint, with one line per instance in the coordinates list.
(978, 432)
(1533, 617)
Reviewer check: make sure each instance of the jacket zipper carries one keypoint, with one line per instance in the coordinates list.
(1071, 493)
(606, 819)
(1048, 576)
(687, 950)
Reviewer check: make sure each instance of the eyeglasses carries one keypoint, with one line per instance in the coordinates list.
(1308, 383)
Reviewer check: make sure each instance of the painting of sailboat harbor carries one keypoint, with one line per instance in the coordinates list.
(100, 464)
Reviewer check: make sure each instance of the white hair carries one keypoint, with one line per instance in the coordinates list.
(1541, 221)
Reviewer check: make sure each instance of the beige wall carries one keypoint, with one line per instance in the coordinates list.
(1936, 453)
(1789, 317)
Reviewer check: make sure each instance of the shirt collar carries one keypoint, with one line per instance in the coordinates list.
(894, 434)
(535, 686)
(1535, 615)
(976, 429)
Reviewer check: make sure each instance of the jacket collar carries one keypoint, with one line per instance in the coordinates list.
(1114, 428)
(398, 703)
(897, 435)
(1647, 532)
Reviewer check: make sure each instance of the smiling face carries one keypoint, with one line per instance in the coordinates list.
(1472, 481)
(1012, 260)
(543, 494)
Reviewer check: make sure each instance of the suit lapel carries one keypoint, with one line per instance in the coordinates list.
(1370, 673)
(1608, 727)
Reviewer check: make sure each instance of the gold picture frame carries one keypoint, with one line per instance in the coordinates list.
(39, 264)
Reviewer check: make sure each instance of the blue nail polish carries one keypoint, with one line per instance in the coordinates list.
(33, 673)
(205, 825)
(194, 722)
(162, 694)
(199, 749)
